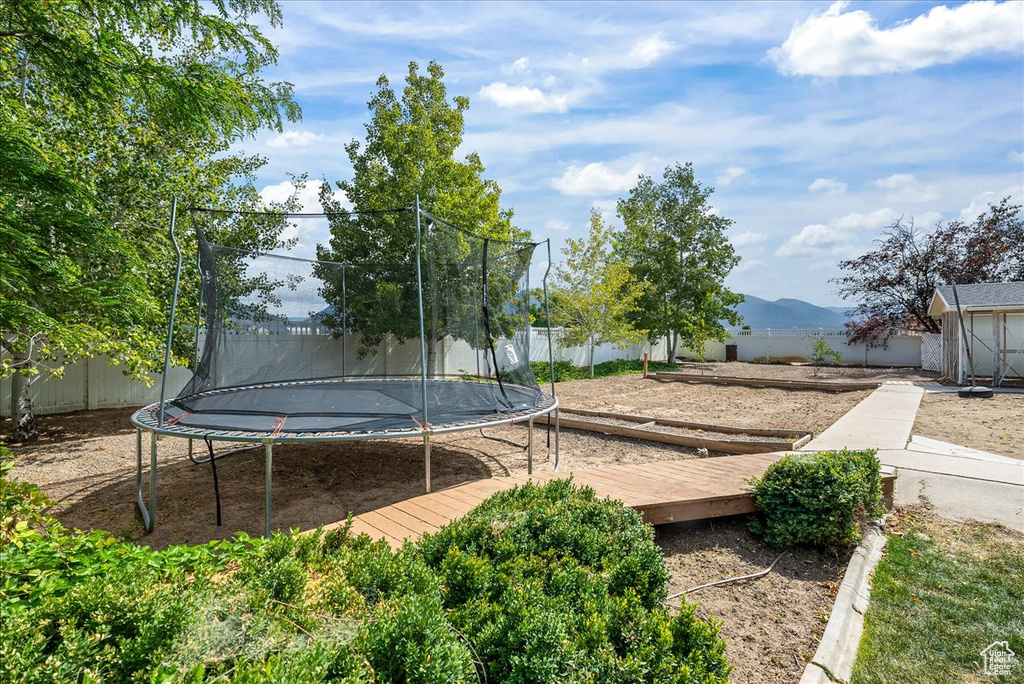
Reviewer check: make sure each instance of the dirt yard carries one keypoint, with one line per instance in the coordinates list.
(86, 461)
(782, 371)
(995, 425)
(772, 625)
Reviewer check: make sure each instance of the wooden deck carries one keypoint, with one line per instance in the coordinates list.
(664, 492)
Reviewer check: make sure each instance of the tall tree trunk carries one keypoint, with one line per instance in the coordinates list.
(23, 422)
(672, 340)
(432, 345)
(591, 356)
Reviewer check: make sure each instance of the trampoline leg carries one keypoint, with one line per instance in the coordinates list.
(152, 482)
(268, 466)
(529, 447)
(557, 412)
(190, 448)
(146, 522)
(426, 456)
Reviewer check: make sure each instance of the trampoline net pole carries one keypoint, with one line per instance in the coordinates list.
(174, 304)
(419, 295)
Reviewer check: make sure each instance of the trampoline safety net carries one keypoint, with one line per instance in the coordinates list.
(289, 344)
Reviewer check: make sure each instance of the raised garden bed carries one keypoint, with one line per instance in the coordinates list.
(767, 382)
(682, 433)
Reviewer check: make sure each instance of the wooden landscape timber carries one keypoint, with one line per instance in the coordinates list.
(796, 439)
(817, 385)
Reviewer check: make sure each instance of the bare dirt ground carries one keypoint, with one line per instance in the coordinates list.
(779, 371)
(772, 625)
(995, 425)
(721, 405)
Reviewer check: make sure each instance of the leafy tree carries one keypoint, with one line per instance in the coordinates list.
(894, 283)
(594, 293)
(676, 245)
(409, 151)
(107, 109)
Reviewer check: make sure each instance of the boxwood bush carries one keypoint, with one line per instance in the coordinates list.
(538, 584)
(817, 499)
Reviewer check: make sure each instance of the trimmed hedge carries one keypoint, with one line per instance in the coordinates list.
(537, 584)
(817, 499)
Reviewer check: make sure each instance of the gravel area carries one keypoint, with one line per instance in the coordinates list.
(994, 425)
(771, 625)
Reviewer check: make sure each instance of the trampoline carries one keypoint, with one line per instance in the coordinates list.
(294, 349)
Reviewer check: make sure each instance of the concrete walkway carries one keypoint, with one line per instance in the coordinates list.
(959, 482)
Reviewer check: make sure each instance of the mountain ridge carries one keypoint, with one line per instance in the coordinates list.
(789, 314)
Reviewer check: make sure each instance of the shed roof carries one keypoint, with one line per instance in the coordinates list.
(978, 297)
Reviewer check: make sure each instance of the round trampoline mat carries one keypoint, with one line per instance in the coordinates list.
(349, 408)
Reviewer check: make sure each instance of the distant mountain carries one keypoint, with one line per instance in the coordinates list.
(789, 314)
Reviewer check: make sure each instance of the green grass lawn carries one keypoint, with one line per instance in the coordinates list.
(942, 593)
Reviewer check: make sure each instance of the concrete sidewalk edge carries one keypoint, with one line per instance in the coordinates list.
(837, 651)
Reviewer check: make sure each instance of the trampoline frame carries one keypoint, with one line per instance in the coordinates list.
(143, 419)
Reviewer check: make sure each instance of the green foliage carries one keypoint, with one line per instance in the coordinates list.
(817, 498)
(107, 110)
(679, 249)
(565, 370)
(552, 584)
(593, 293)
(538, 584)
(21, 504)
(822, 354)
(409, 151)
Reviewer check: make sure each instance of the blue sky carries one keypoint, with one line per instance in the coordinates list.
(817, 123)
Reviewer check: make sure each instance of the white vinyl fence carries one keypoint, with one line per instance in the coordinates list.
(94, 383)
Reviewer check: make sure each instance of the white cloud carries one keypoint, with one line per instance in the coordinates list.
(730, 174)
(748, 265)
(829, 186)
(557, 224)
(904, 187)
(815, 240)
(840, 43)
(649, 50)
(875, 220)
(980, 201)
(595, 179)
(748, 238)
(1016, 156)
(524, 97)
(294, 139)
(520, 66)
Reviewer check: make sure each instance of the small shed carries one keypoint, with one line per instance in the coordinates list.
(994, 321)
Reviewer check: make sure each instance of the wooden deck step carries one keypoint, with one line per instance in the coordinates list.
(663, 492)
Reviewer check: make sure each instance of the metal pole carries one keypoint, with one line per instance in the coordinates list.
(529, 447)
(551, 347)
(138, 481)
(423, 342)
(557, 413)
(268, 466)
(426, 456)
(152, 483)
(344, 320)
(174, 304)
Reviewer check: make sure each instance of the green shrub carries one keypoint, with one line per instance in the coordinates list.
(565, 370)
(537, 584)
(552, 584)
(818, 498)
